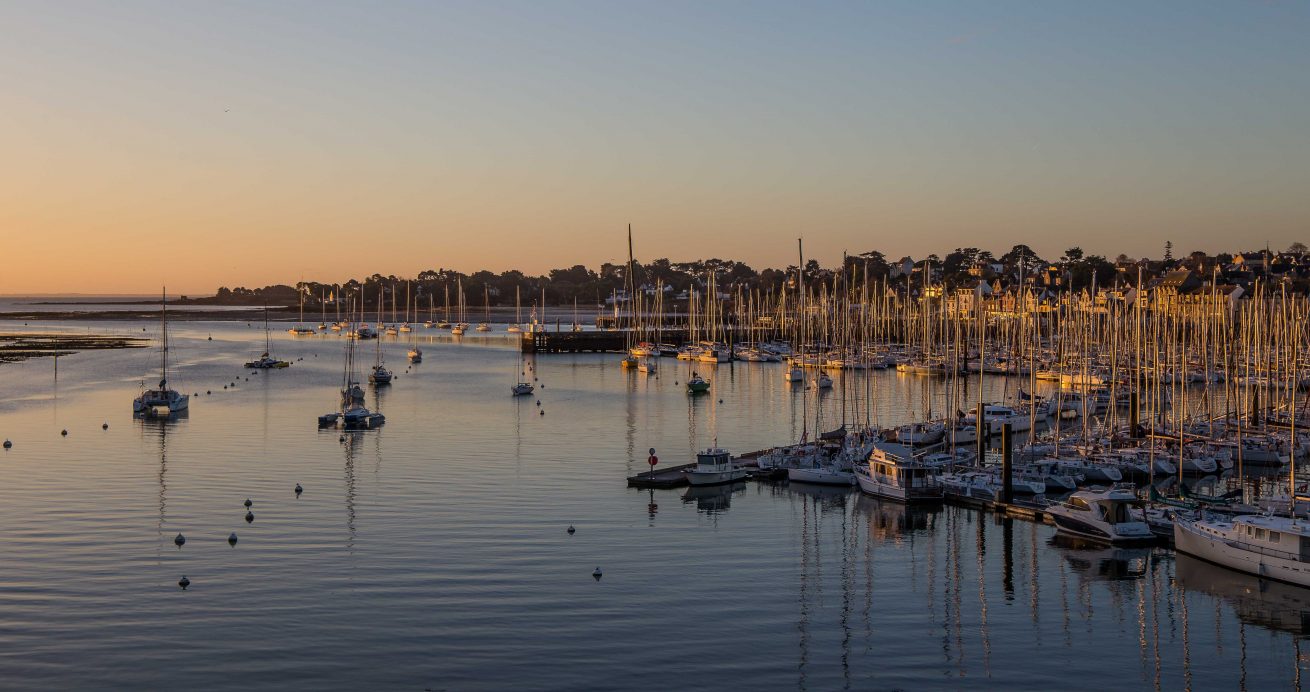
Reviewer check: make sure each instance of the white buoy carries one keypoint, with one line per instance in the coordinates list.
(232, 538)
(179, 540)
(571, 529)
(596, 574)
(184, 582)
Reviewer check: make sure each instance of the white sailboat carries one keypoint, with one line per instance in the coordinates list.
(162, 400)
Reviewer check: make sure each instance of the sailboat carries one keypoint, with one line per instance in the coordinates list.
(461, 325)
(380, 374)
(300, 329)
(265, 360)
(518, 314)
(415, 353)
(445, 321)
(352, 414)
(404, 327)
(161, 400)
(322, 312)
(485, 326)
(523, 387)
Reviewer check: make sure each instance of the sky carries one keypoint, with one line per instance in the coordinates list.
(200, 144)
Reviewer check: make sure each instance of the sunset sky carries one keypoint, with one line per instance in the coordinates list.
(232, 143)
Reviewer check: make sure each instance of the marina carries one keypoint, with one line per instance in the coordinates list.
(364, 491)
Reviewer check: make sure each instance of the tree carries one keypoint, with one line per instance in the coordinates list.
(1073, 255)
(1297, 248)
(1168, 251)
(1021, 256)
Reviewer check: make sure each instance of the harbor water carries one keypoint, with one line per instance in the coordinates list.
(433, 553)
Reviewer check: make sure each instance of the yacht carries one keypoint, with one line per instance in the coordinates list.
(1266, 546)
(714, 467)
(1110, 515)
(998, 416)
(896, 477)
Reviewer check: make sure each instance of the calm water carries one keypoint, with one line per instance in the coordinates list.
(433, 553)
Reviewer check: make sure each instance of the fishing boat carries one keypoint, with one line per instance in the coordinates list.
(1108, 515)
(899, 477)
(714, 467)
(161, 400)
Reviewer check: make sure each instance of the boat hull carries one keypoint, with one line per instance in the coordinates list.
(1191, 540)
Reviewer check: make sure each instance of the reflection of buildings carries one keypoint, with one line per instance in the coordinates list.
(713, 498)
(1256, 601)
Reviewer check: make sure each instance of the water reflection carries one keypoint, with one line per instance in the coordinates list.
(1096, 561)
(1255, 601)
(711, 499)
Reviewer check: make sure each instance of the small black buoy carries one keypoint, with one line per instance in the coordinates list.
(342, 439)
(64, 432)
(250, 516)
(675, 382)
(596, 574)
(179, 540)
(224, 386)
(248, 503)
(104, 426)
(571, 530)
(538, 403)
(232, 538)
(8, 444)
(299, 490)
(542, 412)
(720, 401)
(184, 582)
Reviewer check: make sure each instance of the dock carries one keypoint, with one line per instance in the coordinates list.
(671, 477)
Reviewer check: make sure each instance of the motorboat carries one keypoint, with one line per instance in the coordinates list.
(1108, 515)
(896, 477)
(1267, 546)
(714, 467)
(823, 381)
(415, 355)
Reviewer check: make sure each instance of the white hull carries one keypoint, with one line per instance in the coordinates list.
(1213, 547)
(821, 476)
(699, 478)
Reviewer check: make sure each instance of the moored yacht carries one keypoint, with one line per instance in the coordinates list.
(1266, 546)
(897, 477)
(1109, 515)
